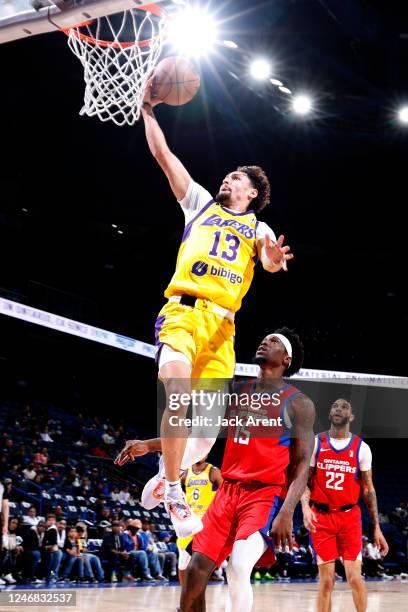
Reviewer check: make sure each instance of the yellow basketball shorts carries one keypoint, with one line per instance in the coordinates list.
(184, 542)
(205, 337)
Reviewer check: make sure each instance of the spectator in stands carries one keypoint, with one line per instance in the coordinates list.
(124, 495)
(29, 472)
(149, 548)
(103, 513)
(108, 437)
(13, 553)
(115, 494)
(165, 555)
(59, 512)
(82, 441)
(32, 544)
(114, 552)
(45, 435)
(42, 457)
(38, 480)
(137, 556)
(52, 552)
(31, 517)
(400, 516)
(101, 488)
(86, 488)
(372, 560)
(95, 568)
(72, 557)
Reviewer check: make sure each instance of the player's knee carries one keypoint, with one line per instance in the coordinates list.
(326, 583)
(178, 395)
(235, 570)
(197, 573)
(355, 581)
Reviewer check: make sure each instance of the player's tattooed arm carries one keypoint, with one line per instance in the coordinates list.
(370, 499)
(302, 415)
(309, 517)
(175, 171)
(137, 448)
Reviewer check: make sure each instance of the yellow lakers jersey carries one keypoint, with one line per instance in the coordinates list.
(217, 256)
(199, 490)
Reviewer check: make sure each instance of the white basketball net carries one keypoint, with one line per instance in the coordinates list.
(115, 71)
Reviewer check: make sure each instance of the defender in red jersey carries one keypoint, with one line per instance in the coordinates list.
(264, 469)
(340, 471)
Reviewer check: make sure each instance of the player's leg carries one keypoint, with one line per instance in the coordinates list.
(195, 583)
(183, 561)
(244, 555)
(355, 580)
(173, 432)
(326, 585)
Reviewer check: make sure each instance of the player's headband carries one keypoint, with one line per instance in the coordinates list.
(285, 343)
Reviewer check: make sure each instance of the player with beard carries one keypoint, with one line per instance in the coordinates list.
(340, 471)
(264, 472)
(221, 243)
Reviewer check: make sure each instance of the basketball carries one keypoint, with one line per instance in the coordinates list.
(175, 81)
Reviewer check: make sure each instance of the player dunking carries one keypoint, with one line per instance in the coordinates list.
(264, 474)
(340, 470)
(194, 330)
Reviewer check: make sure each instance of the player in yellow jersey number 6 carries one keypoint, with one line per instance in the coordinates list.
(221, 243)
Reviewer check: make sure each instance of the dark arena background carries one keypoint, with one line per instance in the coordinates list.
(89, 233)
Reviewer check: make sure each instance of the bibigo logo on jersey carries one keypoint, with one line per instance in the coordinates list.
(200, 268)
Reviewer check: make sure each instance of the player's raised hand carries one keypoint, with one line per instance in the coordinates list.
(281, 531)
(131, 450)
(309, 519)
(276, 252)
(380, 542)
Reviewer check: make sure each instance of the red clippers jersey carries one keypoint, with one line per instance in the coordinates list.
(258, 451)
(336, 481)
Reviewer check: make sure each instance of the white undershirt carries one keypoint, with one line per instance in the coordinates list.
(197, 197)
(365, 456)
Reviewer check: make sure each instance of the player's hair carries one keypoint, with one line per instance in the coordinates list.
(297, 350)
(260, 181)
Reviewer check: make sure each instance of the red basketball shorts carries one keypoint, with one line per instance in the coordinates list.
(237, 511)
(338, 534)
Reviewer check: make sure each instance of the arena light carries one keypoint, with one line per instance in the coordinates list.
(260, 69)
(302, 105)
(276, 82)
(230, 44)
(192, 32)
(403, 114)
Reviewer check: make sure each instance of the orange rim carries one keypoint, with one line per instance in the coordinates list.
(155, 9)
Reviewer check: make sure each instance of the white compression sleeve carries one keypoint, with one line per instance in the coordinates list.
(245, 553)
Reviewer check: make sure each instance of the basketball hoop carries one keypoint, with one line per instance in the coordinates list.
(118, 53)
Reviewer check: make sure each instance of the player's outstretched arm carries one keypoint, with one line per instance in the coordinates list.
(370, 499)
(176, 173)
(302, 415)
(137, 448)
